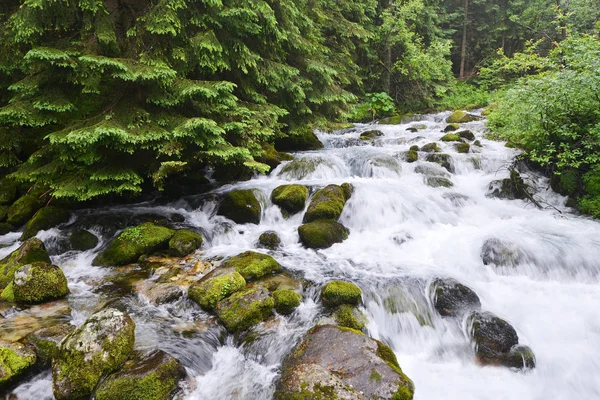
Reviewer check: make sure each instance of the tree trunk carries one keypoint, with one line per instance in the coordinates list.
(387, 57)
(463, 47)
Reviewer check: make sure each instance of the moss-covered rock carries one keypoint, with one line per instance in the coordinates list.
(269, 240)
(336, 293)
(445, 160)
(215, 287)
(452, 299)
(371, 135)
(184, 242)
(460, 117)
(83, 240)
(349, 317)
(286, 301)
(451, 137)
(150, 376)
(246, 308)
(95, 349)
(411, 156)
(327, 203)
(520, 357)
(399, 119)
(414, 148)
(33, 250)
(322, 234)
(134, 242)
(438, 181)
(477, 143)
(430, 169)
(252, 265)
(3, 213)
(46, 218)
(23, 209)
(272, 157)
(431, 148)
(333, 362)
(290, 198)
(348, 189)
(5, 228)
(451, 128)
(511, 188)
(466, 134)
(15, 360)
(36, 283)
(302, 140)
(241, 206)
(47, 342)
(462, 147)
(8, 191)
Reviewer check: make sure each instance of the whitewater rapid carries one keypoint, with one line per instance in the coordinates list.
(403, 234)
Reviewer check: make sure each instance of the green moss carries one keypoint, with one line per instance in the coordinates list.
(23, 209)
(15, 359)
(431, 148)
(411, 156)
(450, 137)
(269, 240)
(46, 218)
(184, 242)
(463, 147)
(47, 341)
(327, 203)
(252, 265)
(3, 213)
(5, 228)
(414, 148)
(246, 308)
(39, 282)
(438, 181)
(336, 293)
(301, 140)
(33, 250)
(83, 240)
(370, 135)
(375, 376)
(241, 206)
(451, 128)
(286, 301)
(319, 392)
(345, 316)
(348, 189)
(459, 117)
(322, 234)
(208, 293)
(133, 243)
(8, 191)
(8, 294)
(291, 198)
(442, 159)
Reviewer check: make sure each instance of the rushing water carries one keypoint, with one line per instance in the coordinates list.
(403, 233)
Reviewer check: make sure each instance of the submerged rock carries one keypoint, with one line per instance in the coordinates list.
(83, 240)
(246, 308)
(340, 363)
(336, 293)
(241, 206)
(442, 159)
(327, 203)
(431, 169)
(46, 218)
(95, 349)
(33, 250)
(501, 253)
(184, 242)
(322, 234)
(15, 360)
(133, 243)
(151, 376)
(286, 301)
(215, 287)
(36, 283)
(290, 198)
(252, 265)
(453, 299)
(269, 240)
(438, 181)
(303, 167)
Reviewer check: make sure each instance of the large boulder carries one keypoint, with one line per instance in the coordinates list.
(46, 218)
(134, 242)
(184, 242)
(246, 308)
(459, 117)
(327, 203)
(252, 265)
(496, 342)
(95, 349)
(350, 317)
(241, 206)
(298, 141)
(47, 341)
(322, 234)
(216, 286)
(290, 198)
(15, 360)
(466, 134)
(150, 376)
(83, 240)
(23, 209)
(33, 250)
(444, 160)
(453, 299)
(511, 188)
(340, 363)
(286, 301)
(269, 240)
(336, 293)
(36, 283)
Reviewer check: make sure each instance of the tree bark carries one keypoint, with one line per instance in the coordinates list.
(463, 47)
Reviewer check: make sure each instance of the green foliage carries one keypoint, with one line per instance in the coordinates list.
(461, 94)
